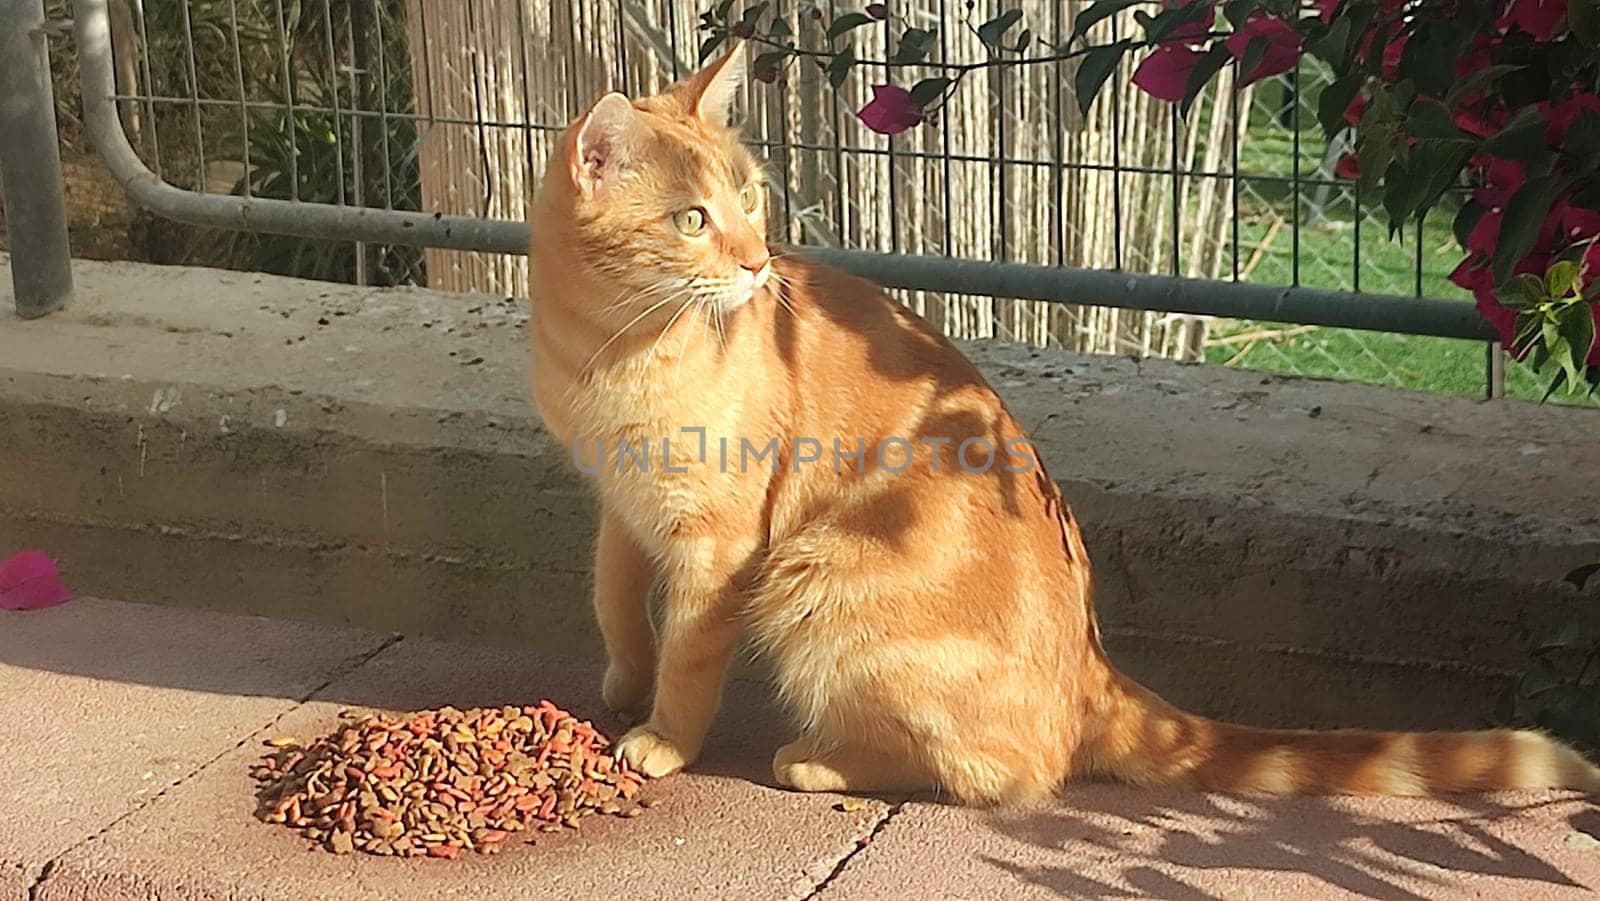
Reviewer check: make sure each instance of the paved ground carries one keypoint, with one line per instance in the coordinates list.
(128, 730)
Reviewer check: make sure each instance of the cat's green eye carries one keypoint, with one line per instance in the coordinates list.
(749, 197)
(691, 221)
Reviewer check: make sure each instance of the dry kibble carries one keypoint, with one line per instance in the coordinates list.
(435, 783)
(851, 805)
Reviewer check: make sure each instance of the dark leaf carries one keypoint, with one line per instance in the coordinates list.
(1430, 55)
(928, 90)
(1583, 17)
(915, 45)
(1254, 52)
(1583, 136)
(991, 31)
(1519, 226)
(1505, 709)
(1331, 47)
(1428, 118)
(1524, 292)
(846, 22)
(1477, 81)
(1096, 67)
(1539, 680)
(1555, 384)
(1024, 40)
(1207, 66)
(1374, 152)
(1237, 12)
(1567, 636)
(838, 68)
(1467, 219)
(1523, 139)
(1579, 578)
(708, 47)
(1097, 12)
(1335, 100)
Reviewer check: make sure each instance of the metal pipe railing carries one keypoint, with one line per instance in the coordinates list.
(30, 164)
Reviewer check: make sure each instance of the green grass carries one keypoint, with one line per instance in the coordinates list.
(1327, 253)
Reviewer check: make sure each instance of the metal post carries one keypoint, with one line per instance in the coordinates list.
(30, 164)
(1495, 372)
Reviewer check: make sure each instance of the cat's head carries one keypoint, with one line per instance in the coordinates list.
(658, 197)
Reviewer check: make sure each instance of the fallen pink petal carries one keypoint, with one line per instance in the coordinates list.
(30, 581)
(891, 110)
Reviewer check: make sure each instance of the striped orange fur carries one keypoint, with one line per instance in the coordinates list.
(929, 624)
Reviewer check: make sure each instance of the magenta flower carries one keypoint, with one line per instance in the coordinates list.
(1538, 18)
(891, 110)
(1283, 47)
(1165, 72)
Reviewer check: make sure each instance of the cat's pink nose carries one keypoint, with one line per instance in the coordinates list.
(757, 264)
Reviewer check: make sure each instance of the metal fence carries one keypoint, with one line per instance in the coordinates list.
(339, 136)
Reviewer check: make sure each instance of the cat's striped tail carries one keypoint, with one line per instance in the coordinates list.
(1140, 738)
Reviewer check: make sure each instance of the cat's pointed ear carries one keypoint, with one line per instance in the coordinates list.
(607, 142)
(711, 92)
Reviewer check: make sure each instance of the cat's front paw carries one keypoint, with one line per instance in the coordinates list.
(651, 754)
(625, 690)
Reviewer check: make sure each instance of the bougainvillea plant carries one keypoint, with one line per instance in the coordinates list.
(1491, 103)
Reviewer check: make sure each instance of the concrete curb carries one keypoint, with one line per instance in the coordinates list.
(1280, 550)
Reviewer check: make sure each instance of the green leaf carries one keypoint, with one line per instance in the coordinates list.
(1097, 12)
(1519, 226)
(838, 68)
(1526, 333)
(779, 29)
(1374, 152)
(1096, 67)
(1207, 66)
(1475, 82)
(993, 30)
(1577, 331)
(915, 45)
(846, 22)
(1522, 140)
(1024, 40)
(1561, 278)
(928, 90)
(1335, 100)
(1524, 292)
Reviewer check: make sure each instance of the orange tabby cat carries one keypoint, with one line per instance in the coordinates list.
(796, 457)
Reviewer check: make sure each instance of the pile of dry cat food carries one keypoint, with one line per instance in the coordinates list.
(436, 783)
